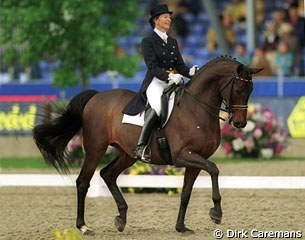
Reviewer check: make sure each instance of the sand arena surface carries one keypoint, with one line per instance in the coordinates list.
(32, 213)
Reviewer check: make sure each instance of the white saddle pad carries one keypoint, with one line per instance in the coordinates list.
(139, 119)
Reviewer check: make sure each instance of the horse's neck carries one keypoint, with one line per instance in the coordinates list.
(207, 89)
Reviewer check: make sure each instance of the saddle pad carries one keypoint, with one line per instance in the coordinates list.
(139, 119)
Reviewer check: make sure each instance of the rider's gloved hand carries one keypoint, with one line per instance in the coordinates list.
(193, 70)
(176, 78)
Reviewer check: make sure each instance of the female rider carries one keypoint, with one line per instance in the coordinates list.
(165, 67)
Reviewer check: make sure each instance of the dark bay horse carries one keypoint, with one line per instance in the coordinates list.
(193, 132)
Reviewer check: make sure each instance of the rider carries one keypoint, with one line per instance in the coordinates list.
(165, 67)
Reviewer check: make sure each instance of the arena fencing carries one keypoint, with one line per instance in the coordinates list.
(98, 187)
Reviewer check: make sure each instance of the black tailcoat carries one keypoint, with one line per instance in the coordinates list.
(159, 57)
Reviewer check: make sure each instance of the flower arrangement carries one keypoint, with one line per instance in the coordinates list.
(140, 168)
(264, 135)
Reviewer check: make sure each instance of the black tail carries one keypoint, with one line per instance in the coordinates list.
(53, 137)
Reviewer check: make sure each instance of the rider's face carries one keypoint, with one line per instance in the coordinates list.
(163, 22)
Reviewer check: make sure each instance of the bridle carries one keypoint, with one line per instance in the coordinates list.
(229, 108)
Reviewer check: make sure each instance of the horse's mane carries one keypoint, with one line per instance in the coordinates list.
(213, 61)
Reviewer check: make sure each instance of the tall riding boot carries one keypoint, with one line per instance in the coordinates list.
(145, 136)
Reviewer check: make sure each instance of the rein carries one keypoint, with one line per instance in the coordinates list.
(204, 104)
(228, 107)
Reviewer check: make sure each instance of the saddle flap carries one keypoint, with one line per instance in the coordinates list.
(164, 101)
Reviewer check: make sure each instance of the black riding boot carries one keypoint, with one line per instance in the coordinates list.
(145, 136)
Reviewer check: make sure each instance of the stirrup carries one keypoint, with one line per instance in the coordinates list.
(144, 157)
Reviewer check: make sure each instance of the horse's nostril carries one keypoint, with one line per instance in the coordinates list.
(239, 124)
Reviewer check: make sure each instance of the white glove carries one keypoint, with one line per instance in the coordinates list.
(176, 78)
(193, 70)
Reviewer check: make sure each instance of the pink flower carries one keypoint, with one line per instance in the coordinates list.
(238, 134)
(258, 133)
(267, 113)
(268, 127)
(227, 147)
(249, 144)
(226, 129)
(276, 137)
(278, 149)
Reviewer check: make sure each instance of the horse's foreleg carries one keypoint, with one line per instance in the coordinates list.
(216, 212)
(110, 174)
(194, 160)
(189, 179)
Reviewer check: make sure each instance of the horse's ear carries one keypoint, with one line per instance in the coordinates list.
(239, 68)
(256, 70)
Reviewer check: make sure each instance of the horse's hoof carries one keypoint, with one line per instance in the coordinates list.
(119, 223)
(184, 230)
(215, 216)
(87, 231)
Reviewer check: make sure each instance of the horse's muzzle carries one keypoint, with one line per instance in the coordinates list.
(238, 124)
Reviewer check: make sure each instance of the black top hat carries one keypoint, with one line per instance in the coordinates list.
(158, 10)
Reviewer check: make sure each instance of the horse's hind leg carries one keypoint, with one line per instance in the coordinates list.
(82, 184)
(110, 174)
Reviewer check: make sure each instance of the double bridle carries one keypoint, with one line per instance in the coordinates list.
(228, 106)
(232, 106)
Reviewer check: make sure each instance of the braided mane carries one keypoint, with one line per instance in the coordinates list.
(213, 61)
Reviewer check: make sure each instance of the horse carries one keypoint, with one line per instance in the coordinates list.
(193, 133)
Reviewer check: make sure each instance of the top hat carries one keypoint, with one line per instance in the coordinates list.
(158, 10)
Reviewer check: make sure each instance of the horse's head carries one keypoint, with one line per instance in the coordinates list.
(236, 93)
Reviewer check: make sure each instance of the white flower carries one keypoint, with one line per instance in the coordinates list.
(238, 144)
(256, 116)
(249, 127)
(266, 153)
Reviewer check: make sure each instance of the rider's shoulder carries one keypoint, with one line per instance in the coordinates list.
(147, 39)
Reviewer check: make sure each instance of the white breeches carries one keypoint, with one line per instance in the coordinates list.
(154, 93)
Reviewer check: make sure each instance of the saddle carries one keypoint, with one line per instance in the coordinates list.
(167, 102)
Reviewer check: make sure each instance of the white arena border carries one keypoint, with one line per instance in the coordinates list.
(98, 187)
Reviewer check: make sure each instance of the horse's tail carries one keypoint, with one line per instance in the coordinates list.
(53, 137)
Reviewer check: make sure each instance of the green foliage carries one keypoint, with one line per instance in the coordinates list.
(81, 34)
(23, 163)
